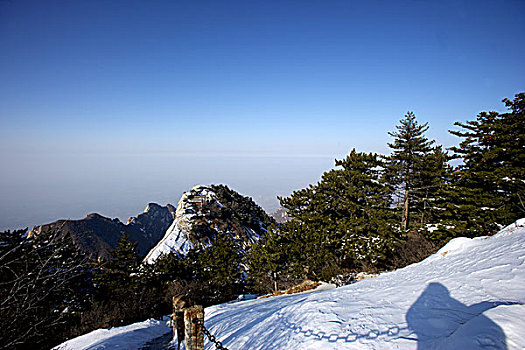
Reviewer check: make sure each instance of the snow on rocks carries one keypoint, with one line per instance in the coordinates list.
(176, 238)
(200, 207)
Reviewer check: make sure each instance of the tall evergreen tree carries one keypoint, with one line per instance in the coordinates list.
(119, 273)
(268, 257)
(406, 167)
(489, 187)
(369, 233)
(127, 291)
(342, 222)
(216, 270)
(432, 178)
(170, 267)
(220, 263)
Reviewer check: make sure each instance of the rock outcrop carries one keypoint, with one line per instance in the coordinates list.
(154, 219)
(280, 215)
(207, 211)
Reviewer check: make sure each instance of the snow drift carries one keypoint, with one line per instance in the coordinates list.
(469, 295)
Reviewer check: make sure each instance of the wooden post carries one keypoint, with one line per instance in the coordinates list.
(179, 304)
(193, 322)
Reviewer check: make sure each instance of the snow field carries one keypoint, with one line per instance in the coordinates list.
(469, 295)
(458, 296)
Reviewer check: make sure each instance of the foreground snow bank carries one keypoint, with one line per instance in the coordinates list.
(130, 337)
(469, 295)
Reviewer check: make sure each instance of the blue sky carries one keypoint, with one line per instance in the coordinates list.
(106, 105)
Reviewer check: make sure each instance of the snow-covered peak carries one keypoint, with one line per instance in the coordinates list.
(177, 237)
(201, 208)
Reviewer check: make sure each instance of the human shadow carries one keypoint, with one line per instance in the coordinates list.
(442, 322)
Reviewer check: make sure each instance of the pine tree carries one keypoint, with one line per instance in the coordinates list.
(170, 267)
(342, 222)
(267, 258)
(406, 168)
(432, 178)
(126, 290)
(488, 190)
(120, 273)
(216, 269)
(220, 263)
(369, 234)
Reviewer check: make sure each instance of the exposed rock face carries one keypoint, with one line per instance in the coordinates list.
(96, 234)
(154, 219)
(207, 211)
(280, 215)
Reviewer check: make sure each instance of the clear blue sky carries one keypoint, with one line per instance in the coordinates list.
(106, 105)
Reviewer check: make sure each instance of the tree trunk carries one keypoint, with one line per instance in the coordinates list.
(404, 223)
(424, 208)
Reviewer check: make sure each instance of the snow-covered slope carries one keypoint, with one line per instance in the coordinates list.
(469, 295)
(177, 236)
(133, 336)
(201, 208)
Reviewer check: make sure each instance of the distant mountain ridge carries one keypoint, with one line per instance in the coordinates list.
(96, 234)
(201, 214)
(207, 211)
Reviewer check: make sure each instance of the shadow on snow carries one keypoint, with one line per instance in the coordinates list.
(442, 322)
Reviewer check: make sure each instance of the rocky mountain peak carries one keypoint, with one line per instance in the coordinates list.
(152, 207)
(207, 211)
(154, 214)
